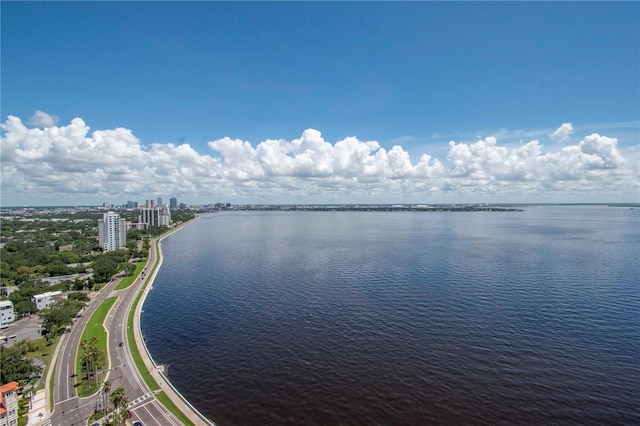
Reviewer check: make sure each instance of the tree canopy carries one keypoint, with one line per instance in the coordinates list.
(15, 366)
(58, 316)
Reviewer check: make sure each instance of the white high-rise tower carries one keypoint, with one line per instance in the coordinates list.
(112, 232)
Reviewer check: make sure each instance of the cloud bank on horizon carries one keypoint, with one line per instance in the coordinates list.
(51, 164)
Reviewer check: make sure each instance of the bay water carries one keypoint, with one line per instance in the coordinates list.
(403, 317)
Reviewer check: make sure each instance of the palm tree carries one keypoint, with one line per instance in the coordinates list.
(106, 388)
(119, 401)
(123, 411)
(116, 396)
(83, 344)
(95, 356)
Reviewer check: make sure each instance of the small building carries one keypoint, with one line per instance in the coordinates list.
(62, 278)
(9, 404)
(7, 315)
(135, 225)
(45, 300)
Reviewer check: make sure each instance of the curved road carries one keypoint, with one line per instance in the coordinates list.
(71, 410)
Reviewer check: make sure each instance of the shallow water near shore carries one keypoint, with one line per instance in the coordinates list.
(403, 317)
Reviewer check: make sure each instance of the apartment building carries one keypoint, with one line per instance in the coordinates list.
(112, 232)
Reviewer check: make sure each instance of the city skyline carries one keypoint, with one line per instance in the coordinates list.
(320, 103)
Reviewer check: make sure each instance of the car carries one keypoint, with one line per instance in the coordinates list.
(128, 414)
(121, 344)
(137, 423)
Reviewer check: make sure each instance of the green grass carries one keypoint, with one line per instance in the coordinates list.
(52, 382)
(135, 351)
(164, 400)
(127, 281)
(95, 329)
(45, 353)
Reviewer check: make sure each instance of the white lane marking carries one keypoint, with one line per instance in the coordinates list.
(66, 400)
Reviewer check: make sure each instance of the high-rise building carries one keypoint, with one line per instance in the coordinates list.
(156, 216)
(159, 203)
(173, 203)
(165, 216)
(112, 232)
(149, 204)
(132, 204)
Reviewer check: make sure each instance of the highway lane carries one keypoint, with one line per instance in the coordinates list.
(143, 406)
(71, 410)
(68, 408)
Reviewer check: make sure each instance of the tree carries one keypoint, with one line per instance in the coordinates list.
(132, 246)
(127, 267)
(117, 396)
(15, 366)
(107, 264)
(104, 267)
(119, 400)
(92, 356)
(78, 296)
(145, 246)
(79, 285)
(56, 269)
(106, 388)
(58, 316)
(24, 308)
(85, 356)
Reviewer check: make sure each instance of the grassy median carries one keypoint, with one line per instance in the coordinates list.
(128, 280)
(94, 328)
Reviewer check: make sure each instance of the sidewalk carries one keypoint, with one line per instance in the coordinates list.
(36, 414)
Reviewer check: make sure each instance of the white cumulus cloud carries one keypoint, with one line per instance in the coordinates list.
(68, 163)
(562, 133)
(42, 119)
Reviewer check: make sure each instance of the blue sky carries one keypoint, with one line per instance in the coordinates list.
(414, 74)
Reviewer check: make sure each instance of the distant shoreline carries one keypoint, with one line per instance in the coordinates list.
(301, 206)
(382, 208)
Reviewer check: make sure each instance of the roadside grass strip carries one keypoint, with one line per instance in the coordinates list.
(45, 353)
(49, 393)
(127, 281)
(135, 351)
(164, 399)
(133, 347)
(94, 328)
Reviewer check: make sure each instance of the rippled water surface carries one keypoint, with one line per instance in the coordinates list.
(403, 317)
